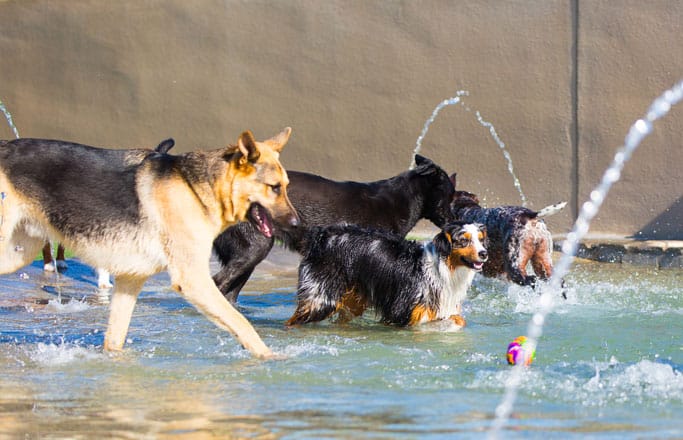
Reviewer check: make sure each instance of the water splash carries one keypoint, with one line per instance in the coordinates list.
(3, 194)
(446, 102)
(638, 131)
(500, 143)
(457, 100)
(54, 355)
(8, 116)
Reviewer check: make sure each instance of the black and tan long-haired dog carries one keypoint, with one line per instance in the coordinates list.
(517, 236)
(347, 269)
(136, 214)
(394, 204)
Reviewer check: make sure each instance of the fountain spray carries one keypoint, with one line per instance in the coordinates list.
(457, 100)
(638, 131)
(8, 116)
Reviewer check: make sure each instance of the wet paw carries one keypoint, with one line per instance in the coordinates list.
(458, 320)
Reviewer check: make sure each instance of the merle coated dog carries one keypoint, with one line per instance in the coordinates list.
(517, 236)
(394, 204)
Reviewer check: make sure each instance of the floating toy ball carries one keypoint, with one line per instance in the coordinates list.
(520, 351)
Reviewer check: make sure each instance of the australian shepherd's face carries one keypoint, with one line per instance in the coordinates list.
(462, 245)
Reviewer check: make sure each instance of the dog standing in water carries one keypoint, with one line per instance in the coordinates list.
(136, 214)
(517, 236)
(346, 269)
(394, 204)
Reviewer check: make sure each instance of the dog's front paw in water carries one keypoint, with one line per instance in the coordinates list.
(458, 320)
(452, 324)
(272, 356)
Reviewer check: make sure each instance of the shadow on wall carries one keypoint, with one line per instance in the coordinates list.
(666, 226)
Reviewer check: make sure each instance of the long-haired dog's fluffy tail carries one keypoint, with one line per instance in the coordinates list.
(552, 209)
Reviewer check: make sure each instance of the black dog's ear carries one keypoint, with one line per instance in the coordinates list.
(164, 146)
(424, 166)
(482, 228)
(453, 179)
(443, 243)
(421, 160)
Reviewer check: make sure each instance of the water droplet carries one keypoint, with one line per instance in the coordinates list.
(589, 209)
(597, 197)
(567, 247)
(581, 226)
(643, 126)
(612, 175)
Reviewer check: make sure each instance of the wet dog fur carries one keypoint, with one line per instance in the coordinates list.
(394, 204)
(136, 214)
(346, 269)
(517, 236)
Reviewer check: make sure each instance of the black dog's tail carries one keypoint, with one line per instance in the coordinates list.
(164, 146)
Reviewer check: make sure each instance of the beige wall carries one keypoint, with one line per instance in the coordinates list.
(561, 81)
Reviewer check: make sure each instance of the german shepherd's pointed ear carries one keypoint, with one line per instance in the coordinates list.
(424, 166)
(247, 146)
(453, 179)
(278, 141)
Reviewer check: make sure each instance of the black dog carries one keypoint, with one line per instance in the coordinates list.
(394, 204)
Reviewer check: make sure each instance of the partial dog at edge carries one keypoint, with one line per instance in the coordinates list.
(394, 204)
(58, 264)
(517, 236)
(136, 214)
(346, 269)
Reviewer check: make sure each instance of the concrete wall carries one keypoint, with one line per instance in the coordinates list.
(560, 80)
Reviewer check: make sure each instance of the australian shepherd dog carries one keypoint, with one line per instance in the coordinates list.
(346, 269)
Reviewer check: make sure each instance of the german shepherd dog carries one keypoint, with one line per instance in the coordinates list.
(346, 269)
(136, 213)
(517, 236)
(394, 204)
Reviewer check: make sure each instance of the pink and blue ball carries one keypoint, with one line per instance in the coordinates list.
(520, 351)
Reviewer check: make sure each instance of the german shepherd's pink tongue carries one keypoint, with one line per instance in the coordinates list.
(260, 217)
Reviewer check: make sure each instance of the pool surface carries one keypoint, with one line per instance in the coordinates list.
(609, 365)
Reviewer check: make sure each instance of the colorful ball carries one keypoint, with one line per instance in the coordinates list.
(520, 351)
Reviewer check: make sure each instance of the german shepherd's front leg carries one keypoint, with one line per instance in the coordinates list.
(196, 286)
(121, 309)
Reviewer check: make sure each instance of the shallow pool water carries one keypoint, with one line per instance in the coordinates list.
(610, 364)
